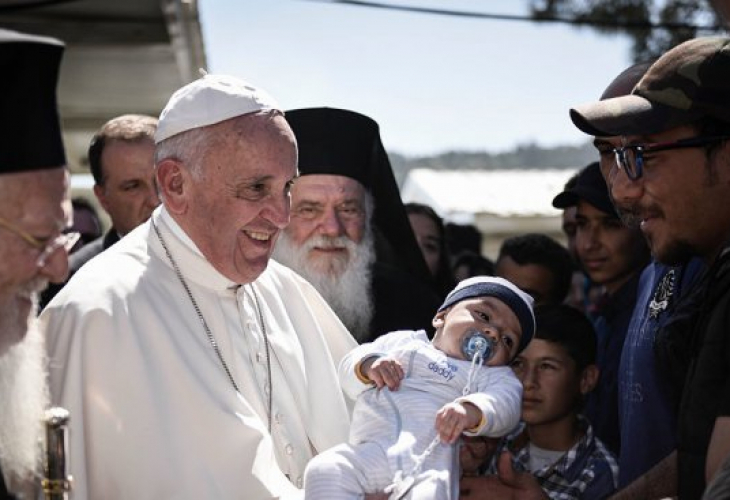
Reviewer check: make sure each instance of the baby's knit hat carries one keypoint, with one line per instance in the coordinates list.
(499, 288)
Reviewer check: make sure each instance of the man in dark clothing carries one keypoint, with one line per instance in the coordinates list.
(669, 141)
(349, 234)
(34, 211)
(613, 256)
(653, 360)
(121, 157)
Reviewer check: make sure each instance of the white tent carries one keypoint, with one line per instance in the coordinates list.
(500, 203)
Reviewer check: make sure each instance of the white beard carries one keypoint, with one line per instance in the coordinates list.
(344, 283)
(24, 397)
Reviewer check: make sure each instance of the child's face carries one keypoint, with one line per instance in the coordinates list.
(552, 386)
(485, 314)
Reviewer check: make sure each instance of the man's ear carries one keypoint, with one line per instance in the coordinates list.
(589, 379)
(173, 184)
(100, 194)
(438, 320)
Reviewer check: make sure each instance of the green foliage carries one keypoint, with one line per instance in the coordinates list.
(523, 156)
(655, 27)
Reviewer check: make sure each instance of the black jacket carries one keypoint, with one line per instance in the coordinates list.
(707, 389)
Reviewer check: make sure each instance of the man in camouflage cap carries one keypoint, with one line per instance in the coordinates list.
(671, 138)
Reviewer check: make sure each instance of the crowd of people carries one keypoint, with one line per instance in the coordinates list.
(267, 318)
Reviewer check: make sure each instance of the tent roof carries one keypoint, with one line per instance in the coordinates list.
(460, 194)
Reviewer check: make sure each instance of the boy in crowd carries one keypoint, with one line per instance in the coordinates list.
(537, 264)
(553, 453)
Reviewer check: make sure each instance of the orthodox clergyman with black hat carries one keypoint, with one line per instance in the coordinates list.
(192, 365)
(349, 234)
(33, 183)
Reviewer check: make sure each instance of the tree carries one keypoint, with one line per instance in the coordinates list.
(655, 27)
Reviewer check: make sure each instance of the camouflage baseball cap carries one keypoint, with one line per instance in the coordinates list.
(687, 83)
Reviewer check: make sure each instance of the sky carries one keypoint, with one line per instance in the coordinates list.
(434, 83)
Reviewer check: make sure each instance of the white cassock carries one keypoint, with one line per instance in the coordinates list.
(153, 413)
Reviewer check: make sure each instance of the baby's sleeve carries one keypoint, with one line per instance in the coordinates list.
(352, 382)
(498, 396)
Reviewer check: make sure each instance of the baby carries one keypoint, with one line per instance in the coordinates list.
(409, 390)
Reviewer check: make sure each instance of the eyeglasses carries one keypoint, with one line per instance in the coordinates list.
(630, 158)
(45, 249)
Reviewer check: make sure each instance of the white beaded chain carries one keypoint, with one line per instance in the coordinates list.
(209, 334)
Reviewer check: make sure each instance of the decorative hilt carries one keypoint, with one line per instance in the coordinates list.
(56, 482)
(477, 343)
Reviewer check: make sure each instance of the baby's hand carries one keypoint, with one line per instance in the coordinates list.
(455, 417)
(383, 371)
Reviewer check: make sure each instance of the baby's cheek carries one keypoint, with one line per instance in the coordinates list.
(498, 359)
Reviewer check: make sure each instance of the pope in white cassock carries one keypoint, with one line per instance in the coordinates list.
(192, 365)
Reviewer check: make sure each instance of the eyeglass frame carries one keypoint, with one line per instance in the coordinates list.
(639, 150)
(65, 240)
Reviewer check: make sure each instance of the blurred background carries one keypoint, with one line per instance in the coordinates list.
(472, 96)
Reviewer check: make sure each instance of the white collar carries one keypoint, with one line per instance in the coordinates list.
(193, 264)
(176, 230)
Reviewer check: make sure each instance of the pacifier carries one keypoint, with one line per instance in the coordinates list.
(476, 342)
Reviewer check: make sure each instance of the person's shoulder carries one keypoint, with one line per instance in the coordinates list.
(276, 269)
(279, 275)
(628, 291)
(402, 341)
(401, 300)
(392, 274)
(92, 249)
(717, 287)
(594, 468)
(600, 457)
(393, 280)
(85, 254)
(279, 280)
(133, 247)
(600, 477)
(114, 271)
(416, 336)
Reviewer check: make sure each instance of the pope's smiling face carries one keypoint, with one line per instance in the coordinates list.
(239, 203)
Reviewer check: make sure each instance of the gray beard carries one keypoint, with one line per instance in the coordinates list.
(24, 396)
(343, 283)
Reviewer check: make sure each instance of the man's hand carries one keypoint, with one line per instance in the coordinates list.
(383, 371)
(453, 418)
(483, 488)
(507, 485)
(474, 452)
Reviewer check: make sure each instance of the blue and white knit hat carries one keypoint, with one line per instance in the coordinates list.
(490, 286)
